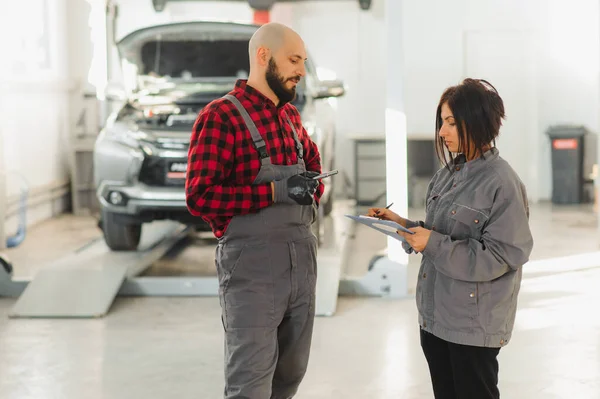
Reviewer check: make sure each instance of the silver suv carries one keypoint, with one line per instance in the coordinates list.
(170, 72)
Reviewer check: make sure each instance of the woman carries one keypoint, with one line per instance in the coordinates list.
(474, 242)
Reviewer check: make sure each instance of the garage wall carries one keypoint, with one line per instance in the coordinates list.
(34, 102)
(565, 62)
(564, 38)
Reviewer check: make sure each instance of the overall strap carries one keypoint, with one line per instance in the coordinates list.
(299, 148)
(257, 139)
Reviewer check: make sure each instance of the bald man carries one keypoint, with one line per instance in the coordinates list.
(250, 175)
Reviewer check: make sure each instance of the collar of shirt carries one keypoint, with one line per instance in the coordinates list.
(253, 95)
(463, 168)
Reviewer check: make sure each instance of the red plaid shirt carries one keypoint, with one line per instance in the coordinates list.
(223, 162)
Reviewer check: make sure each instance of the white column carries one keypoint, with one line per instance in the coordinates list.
(395, 134)
(2, 190)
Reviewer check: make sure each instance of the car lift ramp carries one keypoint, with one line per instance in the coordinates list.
(84, 284)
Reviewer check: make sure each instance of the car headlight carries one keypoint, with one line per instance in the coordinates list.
(129, 138)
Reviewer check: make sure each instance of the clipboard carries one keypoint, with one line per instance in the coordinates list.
(386, 227)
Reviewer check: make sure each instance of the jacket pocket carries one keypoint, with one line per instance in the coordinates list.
(455, 303)
(484, 305)
(468, 222)
(501, 302)
(429, 201)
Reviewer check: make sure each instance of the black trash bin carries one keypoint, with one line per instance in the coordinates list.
(568, 148)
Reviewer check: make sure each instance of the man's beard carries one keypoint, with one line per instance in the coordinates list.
(277, 83)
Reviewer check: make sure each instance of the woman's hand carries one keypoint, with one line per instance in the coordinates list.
(386, 214)
(419, 240)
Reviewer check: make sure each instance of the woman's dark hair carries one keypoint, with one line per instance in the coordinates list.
(478, 111)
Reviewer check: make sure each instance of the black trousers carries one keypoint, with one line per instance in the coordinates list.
(461, 371)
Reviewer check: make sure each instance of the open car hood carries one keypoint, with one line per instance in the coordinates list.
(184, 58)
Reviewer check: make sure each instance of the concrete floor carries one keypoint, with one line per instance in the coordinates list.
(172, 347)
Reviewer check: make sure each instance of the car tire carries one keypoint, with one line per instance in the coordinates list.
(6, 265)
(118, 236)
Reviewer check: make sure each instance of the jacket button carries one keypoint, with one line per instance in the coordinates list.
(472, 295)
(476, 221)
(457, 168)
(424, 324)
(453, 212)
(501, 342)
(424, 275)
(218, 233)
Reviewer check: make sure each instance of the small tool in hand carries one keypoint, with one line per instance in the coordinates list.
(326, 174)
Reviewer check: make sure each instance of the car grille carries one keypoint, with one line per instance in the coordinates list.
(172, 144)
(158, 171)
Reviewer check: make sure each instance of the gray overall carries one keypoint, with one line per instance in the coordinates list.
(267, 266)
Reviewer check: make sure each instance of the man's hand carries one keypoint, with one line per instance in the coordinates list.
(419, 240)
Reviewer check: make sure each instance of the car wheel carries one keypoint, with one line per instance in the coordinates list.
(6, 265)
(118, 236)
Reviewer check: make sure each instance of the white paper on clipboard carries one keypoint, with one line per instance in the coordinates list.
(386, 227)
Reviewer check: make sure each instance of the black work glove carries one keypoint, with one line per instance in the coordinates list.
(310, 174)
(297, 189)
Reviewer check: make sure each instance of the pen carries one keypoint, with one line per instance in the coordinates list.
(387, 207)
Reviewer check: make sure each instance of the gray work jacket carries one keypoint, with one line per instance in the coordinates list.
(471, 268)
